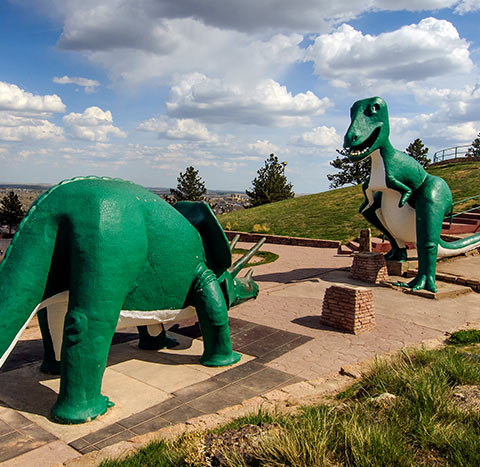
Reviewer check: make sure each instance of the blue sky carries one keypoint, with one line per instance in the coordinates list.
(141, 89)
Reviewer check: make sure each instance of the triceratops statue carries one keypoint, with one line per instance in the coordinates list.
(93, 253)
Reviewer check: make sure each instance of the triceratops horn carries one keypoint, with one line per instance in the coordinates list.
(238, 265)
(234, 241)
(249, 274)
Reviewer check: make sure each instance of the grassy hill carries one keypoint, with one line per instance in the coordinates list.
(333, 214)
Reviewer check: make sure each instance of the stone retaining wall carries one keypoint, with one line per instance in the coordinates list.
(282, 240)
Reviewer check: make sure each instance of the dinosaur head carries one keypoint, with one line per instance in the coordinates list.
(368, 130)
(239, 289)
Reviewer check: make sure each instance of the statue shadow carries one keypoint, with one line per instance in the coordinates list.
(25, 388)
(314, 322)
(287, 277)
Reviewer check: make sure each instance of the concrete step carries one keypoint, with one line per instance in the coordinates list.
(457, 228)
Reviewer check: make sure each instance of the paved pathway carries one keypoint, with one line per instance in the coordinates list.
(279, 335)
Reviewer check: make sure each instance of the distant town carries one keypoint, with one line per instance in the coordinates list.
(220, 201)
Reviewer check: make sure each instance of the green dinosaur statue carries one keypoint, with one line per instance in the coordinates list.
(402, 200)
(97, 251)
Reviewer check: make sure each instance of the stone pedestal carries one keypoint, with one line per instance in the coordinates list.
(369, 267)
(397, 268)
(348, 308)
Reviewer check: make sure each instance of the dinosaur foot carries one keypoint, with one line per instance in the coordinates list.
(220, 359)
(75, 413)
(162, 341)
(421, 282)
(50, 367)
(397, 254)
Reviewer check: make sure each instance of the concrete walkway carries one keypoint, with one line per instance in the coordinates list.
(279, 335)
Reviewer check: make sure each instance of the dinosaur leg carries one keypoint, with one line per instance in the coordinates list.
(213, 319)
(433, 200)
(101, 277)
(397, 253)
(157, 342)
(50, 364)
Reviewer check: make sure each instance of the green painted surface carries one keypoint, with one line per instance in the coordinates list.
(115, 246)
(429, 196)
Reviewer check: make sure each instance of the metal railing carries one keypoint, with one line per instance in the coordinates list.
(451, 215)
(451, 153)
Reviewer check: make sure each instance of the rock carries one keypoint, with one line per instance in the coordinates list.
(384, 399)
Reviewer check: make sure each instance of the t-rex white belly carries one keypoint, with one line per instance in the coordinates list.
(400, 221)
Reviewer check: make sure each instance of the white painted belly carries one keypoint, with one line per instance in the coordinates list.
(399, 221)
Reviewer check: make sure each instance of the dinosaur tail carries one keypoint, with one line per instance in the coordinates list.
(458, 246)
(23, 275)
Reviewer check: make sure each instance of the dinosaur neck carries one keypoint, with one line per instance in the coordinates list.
(387, 150)
(23, 275)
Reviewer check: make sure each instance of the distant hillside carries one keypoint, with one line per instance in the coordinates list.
(333, 215)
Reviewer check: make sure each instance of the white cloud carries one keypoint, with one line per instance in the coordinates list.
(323, 136)
(186, 129)
(263, 147)
(467, 6)
(92, 125)
(415, 52)
(267, 104)
(89, 85)
(17, 128)
(14, 98)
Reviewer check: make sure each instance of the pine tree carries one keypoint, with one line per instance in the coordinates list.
(419, 152)
(11, 211)
(474, 150)
(351, 173)
(190, 186)
(271, 183)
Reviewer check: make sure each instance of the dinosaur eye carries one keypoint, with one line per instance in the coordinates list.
(372, 109)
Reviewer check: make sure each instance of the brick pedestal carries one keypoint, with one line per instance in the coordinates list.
(348, 308)
(369, 267)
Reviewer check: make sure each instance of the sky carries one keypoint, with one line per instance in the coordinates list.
(142, 89)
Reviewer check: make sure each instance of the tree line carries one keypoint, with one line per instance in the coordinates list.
(270, 184)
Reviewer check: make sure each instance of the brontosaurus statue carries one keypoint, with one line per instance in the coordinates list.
(96, 252)
(402, 200)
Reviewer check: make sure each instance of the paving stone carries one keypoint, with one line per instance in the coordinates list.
(149, 426)
(136, 419)
(181, 414)
(79, 444)
(165, 406)
(241, 371)
(279, 351)
(199, 389)
(15, 419)
(266, 379)
(88, 449)
(236, 325)
(243, 338)
(269, 344)
(122, 436)
(38, 434)
(209, 403)
(51, 454)
(15, 443)
(4, 428)
(235, 393)
(103, 433)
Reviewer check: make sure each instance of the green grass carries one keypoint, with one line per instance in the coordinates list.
(266, 257)
(465, 337)
(422, 426)
(333, 214)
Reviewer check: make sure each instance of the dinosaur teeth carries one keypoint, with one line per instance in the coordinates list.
(350, 152)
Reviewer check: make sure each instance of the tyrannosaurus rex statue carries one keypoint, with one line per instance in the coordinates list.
(402, 200)
(95, 250)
